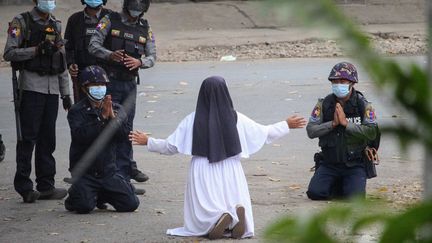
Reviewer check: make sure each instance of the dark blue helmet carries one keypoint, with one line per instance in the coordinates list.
(93, 75)
(136, 5)
(344, 70)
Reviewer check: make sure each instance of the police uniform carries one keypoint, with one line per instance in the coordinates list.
(342, 166)
(100, 182)
(115, 32)
(79, 29)
(42, 78)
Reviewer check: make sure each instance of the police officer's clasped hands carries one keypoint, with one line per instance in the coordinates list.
(130, 62)
(339, 116)
(107, 108)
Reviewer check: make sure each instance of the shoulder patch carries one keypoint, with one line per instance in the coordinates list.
(101, 26)
(14, 29)
(150, 34)
(316, 112)
(370, 115)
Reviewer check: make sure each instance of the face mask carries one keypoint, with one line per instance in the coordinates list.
(46, 6)
(93, 3)
(97, 92)
(134, 14)
(340, 90)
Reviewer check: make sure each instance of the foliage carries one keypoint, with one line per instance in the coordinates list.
(352, 218)
(409, 87)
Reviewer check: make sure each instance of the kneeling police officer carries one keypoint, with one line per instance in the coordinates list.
(345, 123)
(96, 125)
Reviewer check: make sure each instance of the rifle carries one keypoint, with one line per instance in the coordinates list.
(17, 102)
(76, 89)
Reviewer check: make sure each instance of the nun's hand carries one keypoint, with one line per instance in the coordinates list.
(138, 138)
(296, 121)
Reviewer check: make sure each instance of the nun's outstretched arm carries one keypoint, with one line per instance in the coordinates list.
(153, 144)
(161, 146)
(282, 128)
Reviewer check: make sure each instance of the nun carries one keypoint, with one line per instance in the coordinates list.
(217, 197)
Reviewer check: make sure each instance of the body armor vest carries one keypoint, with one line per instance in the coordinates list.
(336, 145)
(83, 32)
(37, 33)
(132, 39)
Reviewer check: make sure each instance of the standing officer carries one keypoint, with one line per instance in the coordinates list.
(344, 122)
(96, 124)
(35, 46)
(80, 27)
(125, 42)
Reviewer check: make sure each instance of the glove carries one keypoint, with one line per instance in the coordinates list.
(47, 48)
(67, 102)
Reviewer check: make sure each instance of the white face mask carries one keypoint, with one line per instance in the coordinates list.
(97, 93)
(46, 6)
(340, 90)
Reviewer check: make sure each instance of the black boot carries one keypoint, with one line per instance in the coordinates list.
(138, 175)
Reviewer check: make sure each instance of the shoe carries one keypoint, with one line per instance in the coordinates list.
(101, 206)
(68, 180)
(140, 191)
(53, 194)
(31, 196)
(239, 229)
(3, 152)
(139, 176)
(219, 228)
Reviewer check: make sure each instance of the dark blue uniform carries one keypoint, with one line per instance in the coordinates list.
(101, 182)
(342, 167)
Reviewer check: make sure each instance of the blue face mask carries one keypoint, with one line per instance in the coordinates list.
(46, 6)
(134, 14)
(340, 90)
(97, 93)
(93, 3)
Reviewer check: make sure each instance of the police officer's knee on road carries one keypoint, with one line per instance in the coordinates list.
(96, 124)
(345, 124)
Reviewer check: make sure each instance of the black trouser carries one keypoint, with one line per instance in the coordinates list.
(120, 92)
(113, 189)
(337, 178)
(38, 114)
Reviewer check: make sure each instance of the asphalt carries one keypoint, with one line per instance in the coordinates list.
(265, 90)
(184, 24)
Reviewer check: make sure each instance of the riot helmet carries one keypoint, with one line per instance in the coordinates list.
(93, 80)
(136, 8)
(344, 70)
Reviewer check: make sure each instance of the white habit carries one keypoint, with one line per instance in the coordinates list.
(216, 188)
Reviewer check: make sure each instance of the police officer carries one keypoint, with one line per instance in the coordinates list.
(35, 46)
(344, 122)
(80, 26)
(125, 42)
(97, 120)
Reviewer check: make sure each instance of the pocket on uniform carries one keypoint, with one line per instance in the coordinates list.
(130, 47)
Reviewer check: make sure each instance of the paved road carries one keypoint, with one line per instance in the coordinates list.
(267, 91)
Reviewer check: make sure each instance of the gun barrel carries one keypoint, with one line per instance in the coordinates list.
(16, 100)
